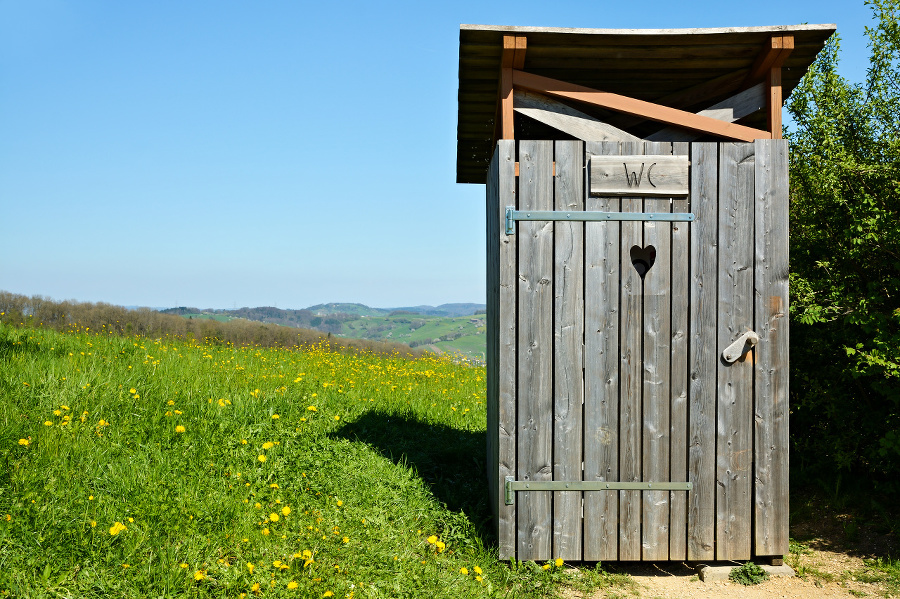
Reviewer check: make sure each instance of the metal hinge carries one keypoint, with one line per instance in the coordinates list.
(513, 485)
(513, 215)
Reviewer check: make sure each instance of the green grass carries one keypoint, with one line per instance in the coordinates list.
(132, 467)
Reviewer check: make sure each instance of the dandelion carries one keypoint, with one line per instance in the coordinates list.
(7, 517)
(274, 486)
(265, 532)
(255, 587)
(261, 458)
(178, 412)
(183, 566)
(559, 562)
(464, 571)
(311, 408)
(432, 539)
(340, 503)
(274, 517)
(346, 539)
(93, 523)
(292, 585)
(328, 594)
(171, 402)
(199, 574)
(268, 445)
(250, 567)
(285, 510)
(477, 570)
(117, 528)
(545, 567)
(24, 442)
(179, 429)
(133, 391)
(48, 423)
(337, 417)
(440, 546)
(479, 578)
(257, 505)
(57, 413)
(275, 416)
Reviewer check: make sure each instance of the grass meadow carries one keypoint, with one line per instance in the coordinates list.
(157, 468)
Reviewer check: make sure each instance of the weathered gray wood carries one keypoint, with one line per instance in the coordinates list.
(601, 372)
(535, 350)
(731, 109)
(568, 348)
(679, 384)
(492, 272)
(703, 346)
(656, 381)
(771, 411)
(631, 377)
(563, 117)
(734, 443)
(506, 346)
(655, 175)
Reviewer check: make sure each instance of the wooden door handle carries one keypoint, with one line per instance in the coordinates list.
(741, 346)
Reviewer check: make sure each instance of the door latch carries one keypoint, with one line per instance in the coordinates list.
(741, 346)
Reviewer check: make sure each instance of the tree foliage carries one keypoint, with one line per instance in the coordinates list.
(845, 260)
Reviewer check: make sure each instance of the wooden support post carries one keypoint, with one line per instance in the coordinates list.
(513, 57)
(768, 67)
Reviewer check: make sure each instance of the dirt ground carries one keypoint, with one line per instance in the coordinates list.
(829, 556)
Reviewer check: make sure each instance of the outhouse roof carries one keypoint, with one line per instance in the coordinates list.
(688, 69)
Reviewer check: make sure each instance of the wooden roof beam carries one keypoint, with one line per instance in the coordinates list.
(635, 107)
(567, 119)
(731, 109)
(774, 53)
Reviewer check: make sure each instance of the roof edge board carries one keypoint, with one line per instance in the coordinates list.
(693, 31)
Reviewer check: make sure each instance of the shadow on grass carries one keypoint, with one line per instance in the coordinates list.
(450, 461)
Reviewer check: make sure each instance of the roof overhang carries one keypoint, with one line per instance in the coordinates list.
(685, 69)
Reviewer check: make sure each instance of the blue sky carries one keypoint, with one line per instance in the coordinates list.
(226, 154)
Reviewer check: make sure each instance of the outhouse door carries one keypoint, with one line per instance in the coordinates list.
(617, 428)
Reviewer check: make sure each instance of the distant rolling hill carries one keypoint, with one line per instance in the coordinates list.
(448, 328)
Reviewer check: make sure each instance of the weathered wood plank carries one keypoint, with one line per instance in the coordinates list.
(771, 409)
(601, 372)
(734, 443)
(535, 350)
(703, 355)
(563, 117)
(492, 271)
(731, 109)
(506, 346)
(630, 338)
(656, 381)
(652, 175)
(568, 348)
(679, 384)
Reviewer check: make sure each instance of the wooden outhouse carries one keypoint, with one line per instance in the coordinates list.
(637, 281)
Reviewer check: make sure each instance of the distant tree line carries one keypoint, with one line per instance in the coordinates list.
(304, 319)
(38, 311)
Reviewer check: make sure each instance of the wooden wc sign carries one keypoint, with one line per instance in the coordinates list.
(640, 175)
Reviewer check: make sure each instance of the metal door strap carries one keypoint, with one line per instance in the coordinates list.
(513, 485)
(512, 215)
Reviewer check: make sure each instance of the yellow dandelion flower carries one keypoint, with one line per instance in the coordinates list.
(311, 408)
(199, 575)
(132, 390)
(545, 567)
(346, 539)
(275, 416)
(7, 517)
(179, 429)
(274, 486)
(57, 413)
(432, 539)
(340, 503)
(250, 567)
(464, 571)
(478, 578)
(337, 417)
(440, 546)
(274, 517)
(292, 585)
(265, 532)
(48, 423)
(93, 523)
(285, 510)
(255, 587)
(257, 505)
(178, 412)
(183, 566)
(116, 528)
(328, 594)
(559, 562)
(171, 402)
(477, 570)
(268, 445)
(261, 458)
(24, 442)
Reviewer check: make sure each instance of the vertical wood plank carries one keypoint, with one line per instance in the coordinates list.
(655, 378)
(630, 339)
(771, 402)
(702, 351)
(601, 371)
(492, 238)
(734, 443)
(568, 348)
(679, 377)
(505, 350)
(535, 350)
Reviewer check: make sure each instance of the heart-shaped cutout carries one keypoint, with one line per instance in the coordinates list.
(643, 258)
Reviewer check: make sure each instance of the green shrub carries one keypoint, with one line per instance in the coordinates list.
(748, 574)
